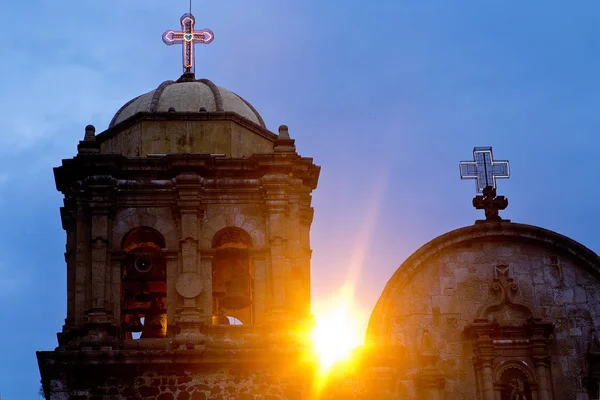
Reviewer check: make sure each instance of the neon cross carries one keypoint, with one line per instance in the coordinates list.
(188, 37)
(484, 169)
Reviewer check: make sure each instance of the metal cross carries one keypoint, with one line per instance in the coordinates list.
(485, 170)
(188, 37)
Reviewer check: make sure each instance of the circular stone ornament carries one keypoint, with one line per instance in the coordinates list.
(189, 285)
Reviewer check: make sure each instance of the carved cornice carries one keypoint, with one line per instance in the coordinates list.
(188, 116)
(217, 172)
(533, 333)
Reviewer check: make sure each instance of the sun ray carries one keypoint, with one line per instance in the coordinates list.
(340, 322)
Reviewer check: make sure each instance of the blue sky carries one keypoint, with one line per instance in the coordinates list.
(387, 96)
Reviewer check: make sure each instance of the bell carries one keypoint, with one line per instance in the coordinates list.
(237, 294)
(154, 326)
(218, 292)
(220, 320)
(135, 325)
(144, 295)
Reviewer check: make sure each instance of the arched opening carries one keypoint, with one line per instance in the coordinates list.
(143, 285)
(234, 321)
(232, 277)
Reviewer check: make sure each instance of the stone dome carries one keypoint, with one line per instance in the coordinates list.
(188, 94)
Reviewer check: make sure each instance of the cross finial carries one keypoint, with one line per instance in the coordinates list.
(485, 170)
(490, 204)
(188, 37)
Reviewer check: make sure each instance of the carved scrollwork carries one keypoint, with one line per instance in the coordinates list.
(504, 286)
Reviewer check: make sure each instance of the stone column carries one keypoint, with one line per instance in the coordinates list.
(82, 263)
(172, 272)
(541, 373)
(205, 298)
(276, 201)
(100, 266)
(189, 283)
(486, 365)
(541, 361)
(487, 379)
(260, 286)
(101, 189)
(114, 285)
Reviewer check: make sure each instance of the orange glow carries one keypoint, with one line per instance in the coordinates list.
(340, 326)
(340, 320)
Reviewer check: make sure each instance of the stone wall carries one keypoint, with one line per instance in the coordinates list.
(227, 137)
(218, 385)
(220, 375)
(435, 297)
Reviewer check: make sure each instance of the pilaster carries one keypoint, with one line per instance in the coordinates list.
(101, 192)
(541, 362)
(277, 206)
(82, 262)
(189, 282)
(485, 363)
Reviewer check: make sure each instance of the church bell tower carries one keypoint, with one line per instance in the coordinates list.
(187, 225)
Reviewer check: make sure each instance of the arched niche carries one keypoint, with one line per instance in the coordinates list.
(515, 381)
(217, 219)
(143, 284)
(158, 218)
(232, 276)
(143, 236)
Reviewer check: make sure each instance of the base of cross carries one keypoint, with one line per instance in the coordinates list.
(188, 76)
(491, 204)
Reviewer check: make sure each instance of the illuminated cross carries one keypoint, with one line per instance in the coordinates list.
(484, 169)
(188, 37)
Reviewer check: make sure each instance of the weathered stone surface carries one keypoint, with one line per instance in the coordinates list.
(189, 285)
(144, 203)
(507, 278)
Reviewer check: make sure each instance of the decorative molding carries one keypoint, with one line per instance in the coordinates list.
(506, 287)
(520, 365)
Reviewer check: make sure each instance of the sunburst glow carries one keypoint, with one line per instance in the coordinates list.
(339, 328)
(340, 321)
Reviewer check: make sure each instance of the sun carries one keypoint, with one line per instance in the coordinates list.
(334, 336)
(339, 328)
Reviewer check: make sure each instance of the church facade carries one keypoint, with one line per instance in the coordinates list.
(188, 275)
